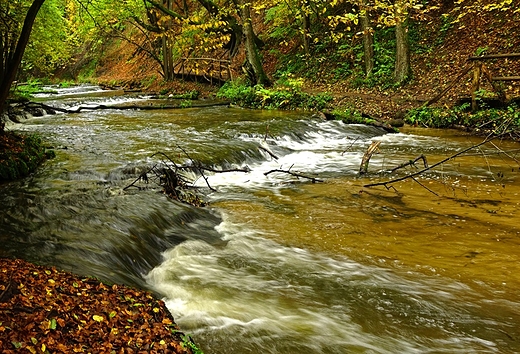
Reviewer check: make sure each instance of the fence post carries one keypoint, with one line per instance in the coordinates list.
(475, 85)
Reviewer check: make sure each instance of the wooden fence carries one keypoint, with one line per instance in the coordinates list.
(479, 69)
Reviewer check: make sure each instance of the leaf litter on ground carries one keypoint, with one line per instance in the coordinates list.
(44, 310)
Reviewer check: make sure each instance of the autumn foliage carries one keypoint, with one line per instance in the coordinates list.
(43, 310)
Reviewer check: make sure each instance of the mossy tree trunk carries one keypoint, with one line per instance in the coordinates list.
(252, 53)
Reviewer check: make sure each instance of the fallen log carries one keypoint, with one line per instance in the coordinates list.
(125, 107)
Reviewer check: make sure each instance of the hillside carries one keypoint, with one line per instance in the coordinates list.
(439, 53)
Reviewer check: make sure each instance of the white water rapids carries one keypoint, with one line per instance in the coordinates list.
(277, 264)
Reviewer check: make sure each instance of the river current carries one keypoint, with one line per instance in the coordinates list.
(276, 263)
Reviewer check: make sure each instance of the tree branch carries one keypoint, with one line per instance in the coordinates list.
(488, 139)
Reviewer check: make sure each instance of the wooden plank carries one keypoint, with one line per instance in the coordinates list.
(506, 78)
(496, 56)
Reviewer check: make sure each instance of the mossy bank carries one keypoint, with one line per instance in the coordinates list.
(21, 154)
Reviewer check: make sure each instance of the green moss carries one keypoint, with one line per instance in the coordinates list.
(20, 155)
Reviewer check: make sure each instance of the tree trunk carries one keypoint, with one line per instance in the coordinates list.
(6, 80)
(368, 43)
(402, 55)
(306, 24)
(167, 48)
(253, 57)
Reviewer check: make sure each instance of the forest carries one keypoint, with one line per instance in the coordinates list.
(442, 64)
(403, 48)
(358, 254)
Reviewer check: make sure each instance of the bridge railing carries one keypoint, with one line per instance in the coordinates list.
(209, 69)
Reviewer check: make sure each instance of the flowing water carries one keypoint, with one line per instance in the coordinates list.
(278, 264)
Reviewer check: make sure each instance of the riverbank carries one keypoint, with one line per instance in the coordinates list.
(46, 310)
(20, 155)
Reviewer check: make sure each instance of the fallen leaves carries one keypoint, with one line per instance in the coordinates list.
(44, 310)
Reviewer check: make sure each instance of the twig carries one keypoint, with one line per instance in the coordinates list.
(266, 149)
(412, 163)
(500, 151)
(422, 185)
(246, 169)
(357, 138)
(488, 139)
(297, 175)
(143, 176)
(197, 166)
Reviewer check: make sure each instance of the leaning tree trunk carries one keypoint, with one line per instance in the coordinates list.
(402, 55)
(252, 54)
(368, 43)
(9, 74)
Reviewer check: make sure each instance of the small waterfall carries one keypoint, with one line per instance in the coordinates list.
(269, 266)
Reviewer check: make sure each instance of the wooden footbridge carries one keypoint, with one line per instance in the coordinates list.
(213, 71)
(479, 69)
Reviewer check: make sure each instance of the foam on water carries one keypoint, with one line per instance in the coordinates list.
(280, 299)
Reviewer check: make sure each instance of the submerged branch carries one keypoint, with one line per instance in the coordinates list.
(412, 163)
(297, 175)
(171, 176)
(387, 183)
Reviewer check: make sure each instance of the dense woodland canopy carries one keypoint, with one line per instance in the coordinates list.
(368, 42)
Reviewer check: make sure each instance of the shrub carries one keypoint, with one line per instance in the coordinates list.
(287, 95)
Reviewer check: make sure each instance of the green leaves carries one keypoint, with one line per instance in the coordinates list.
(52, 324)
(277, 98)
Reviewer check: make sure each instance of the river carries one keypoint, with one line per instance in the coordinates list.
(277, 264)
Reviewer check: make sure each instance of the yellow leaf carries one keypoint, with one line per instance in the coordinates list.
(44, 347)
(98, 318)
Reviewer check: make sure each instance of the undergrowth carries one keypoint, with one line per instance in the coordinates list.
(285, 95)
(492, 120)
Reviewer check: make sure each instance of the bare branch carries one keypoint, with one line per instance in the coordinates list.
(487, 140)
(297, 175)
(412, 163)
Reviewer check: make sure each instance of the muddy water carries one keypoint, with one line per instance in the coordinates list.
(278, 264)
